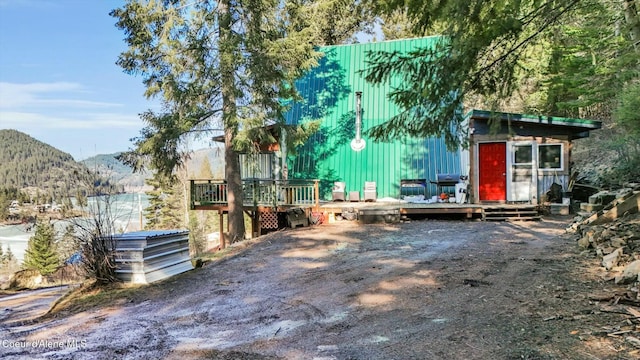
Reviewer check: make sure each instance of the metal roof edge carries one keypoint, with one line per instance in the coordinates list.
(537, 119)
(370, 43)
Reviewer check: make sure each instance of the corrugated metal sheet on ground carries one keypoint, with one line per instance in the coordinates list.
(148, 256)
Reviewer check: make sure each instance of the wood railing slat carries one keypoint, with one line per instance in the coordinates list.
(256, 192)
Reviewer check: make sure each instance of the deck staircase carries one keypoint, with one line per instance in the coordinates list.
(508, 212)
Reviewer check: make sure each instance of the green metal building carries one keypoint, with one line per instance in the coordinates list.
(330, 91)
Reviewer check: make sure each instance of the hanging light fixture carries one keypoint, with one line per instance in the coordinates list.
(358, 143)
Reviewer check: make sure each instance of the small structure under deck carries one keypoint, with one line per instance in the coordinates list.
(265, 201)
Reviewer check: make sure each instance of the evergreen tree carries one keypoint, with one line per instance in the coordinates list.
(41, 254)
(333, 21)
(5, 201)
(155, 204)
(398, 25)
(202, 222)
(205, 169)
(197, 238)
(165, 209)
(480, 55)
(8, 256)
(590, 61)
(216, 64)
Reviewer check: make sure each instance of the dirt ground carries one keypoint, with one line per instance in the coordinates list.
(425, 289)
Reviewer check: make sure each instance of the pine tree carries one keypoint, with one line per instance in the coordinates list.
(41, 254)
(8, 256)
(197, 239)
(479, 56)
(4, 205)
(165, 209)
(201, 222)
(218, 65)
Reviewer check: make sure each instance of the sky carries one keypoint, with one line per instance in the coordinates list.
(59, 82)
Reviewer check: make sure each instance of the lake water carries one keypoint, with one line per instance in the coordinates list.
(125, 210)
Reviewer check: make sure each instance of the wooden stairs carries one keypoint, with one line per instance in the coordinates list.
(510, 213)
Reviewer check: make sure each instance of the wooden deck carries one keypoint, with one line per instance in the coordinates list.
(258, 194)
(281, 196)
(405, 208)
(265, 199)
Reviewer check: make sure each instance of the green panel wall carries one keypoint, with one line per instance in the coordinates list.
(329, 93)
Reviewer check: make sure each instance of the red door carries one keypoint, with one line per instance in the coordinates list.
(492, 179)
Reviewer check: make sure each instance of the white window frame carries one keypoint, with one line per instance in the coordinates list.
(515, 190)
(523, 144)
(537, 154)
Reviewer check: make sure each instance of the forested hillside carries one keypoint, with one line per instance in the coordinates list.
(29, 164)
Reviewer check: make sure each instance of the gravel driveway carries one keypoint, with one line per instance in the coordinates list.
(426, 289)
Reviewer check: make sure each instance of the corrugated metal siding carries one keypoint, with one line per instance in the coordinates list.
(330, 92)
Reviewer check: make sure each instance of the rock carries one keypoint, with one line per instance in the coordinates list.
(26, 279)
(630, 273)
(591, 207)
(602, 198)
(618, 242)
(611, 260)
(600, 252)
(629, 206)
(584, 242)
(633, 341)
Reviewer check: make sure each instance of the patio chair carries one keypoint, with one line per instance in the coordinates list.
(370, 192)
(338, 191)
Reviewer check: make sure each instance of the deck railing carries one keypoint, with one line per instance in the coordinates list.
(257, 192)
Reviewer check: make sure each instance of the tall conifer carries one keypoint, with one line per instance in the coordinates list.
(41, 254)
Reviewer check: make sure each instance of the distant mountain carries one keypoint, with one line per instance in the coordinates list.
(107, 166)
(29, 163)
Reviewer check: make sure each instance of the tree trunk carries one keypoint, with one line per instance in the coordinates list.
(633, 21)
(227, 48)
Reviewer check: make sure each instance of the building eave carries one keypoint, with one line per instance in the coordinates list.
(579, 124)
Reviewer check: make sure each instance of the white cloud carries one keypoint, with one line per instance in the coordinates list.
(24, 121)
(18, 96)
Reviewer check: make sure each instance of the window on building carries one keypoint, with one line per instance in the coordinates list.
(550, 156)
(522, 154)
(522, 163)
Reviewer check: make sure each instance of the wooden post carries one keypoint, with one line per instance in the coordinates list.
(316, 194)
(222, 242)
(255, 224)
(192, 194)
